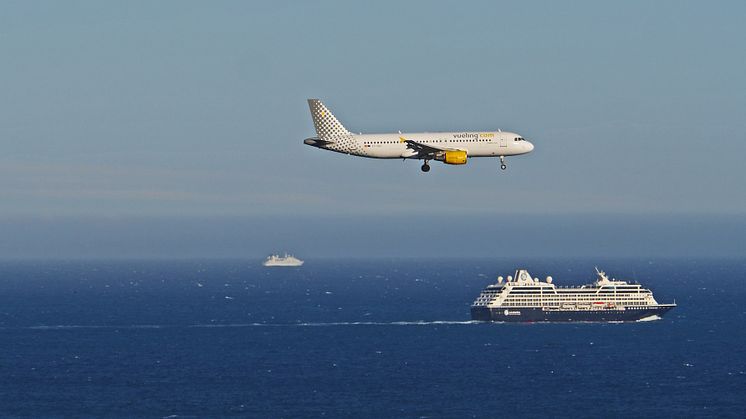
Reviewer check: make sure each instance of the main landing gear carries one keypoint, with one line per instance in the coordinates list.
(503, 166)
(425, 167)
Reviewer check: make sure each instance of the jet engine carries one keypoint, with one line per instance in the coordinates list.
(452, 157)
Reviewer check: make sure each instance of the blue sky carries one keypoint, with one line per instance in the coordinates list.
(197, 109)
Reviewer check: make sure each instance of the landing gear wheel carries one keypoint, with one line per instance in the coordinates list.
(425, 167)
(502, 163)
(502, 166)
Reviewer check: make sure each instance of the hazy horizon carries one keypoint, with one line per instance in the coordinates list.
(517, 236)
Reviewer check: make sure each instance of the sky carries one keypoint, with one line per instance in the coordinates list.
(121, 117)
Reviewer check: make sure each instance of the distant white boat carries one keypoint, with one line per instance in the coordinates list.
(287, 260)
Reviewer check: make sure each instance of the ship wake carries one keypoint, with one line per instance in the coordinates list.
(650, 318)
(238, 325)
(328, 324)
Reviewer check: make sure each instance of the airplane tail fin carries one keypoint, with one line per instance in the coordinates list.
(326, 124)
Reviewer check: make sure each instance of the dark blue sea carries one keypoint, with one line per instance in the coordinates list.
(383, 338)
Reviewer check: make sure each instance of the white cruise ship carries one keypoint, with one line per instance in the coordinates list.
(287, 260)
(522, 298)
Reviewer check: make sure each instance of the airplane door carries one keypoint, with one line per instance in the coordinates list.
(503, 142)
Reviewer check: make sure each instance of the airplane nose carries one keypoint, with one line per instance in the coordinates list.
(529, 147)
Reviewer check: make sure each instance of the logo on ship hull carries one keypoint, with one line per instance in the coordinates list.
(512, 313)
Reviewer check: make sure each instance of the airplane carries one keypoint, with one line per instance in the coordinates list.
(447, 147)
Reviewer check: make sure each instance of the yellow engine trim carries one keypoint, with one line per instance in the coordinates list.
(454, 157)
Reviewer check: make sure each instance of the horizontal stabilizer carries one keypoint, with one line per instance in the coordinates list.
(316, 142)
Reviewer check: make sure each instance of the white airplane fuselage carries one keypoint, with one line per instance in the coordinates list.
(391, 146)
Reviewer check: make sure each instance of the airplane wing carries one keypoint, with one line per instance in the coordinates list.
(423, 150)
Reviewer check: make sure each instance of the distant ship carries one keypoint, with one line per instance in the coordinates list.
(287, 260)
(525, 299)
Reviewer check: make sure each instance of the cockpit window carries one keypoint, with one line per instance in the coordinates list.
(519, 139)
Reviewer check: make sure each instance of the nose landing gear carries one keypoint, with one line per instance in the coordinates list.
(425, 167)
(503, 166)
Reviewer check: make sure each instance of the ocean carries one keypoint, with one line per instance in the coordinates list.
(361, 338)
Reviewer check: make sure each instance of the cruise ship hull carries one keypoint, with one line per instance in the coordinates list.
(282, 263)
(520, 314)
